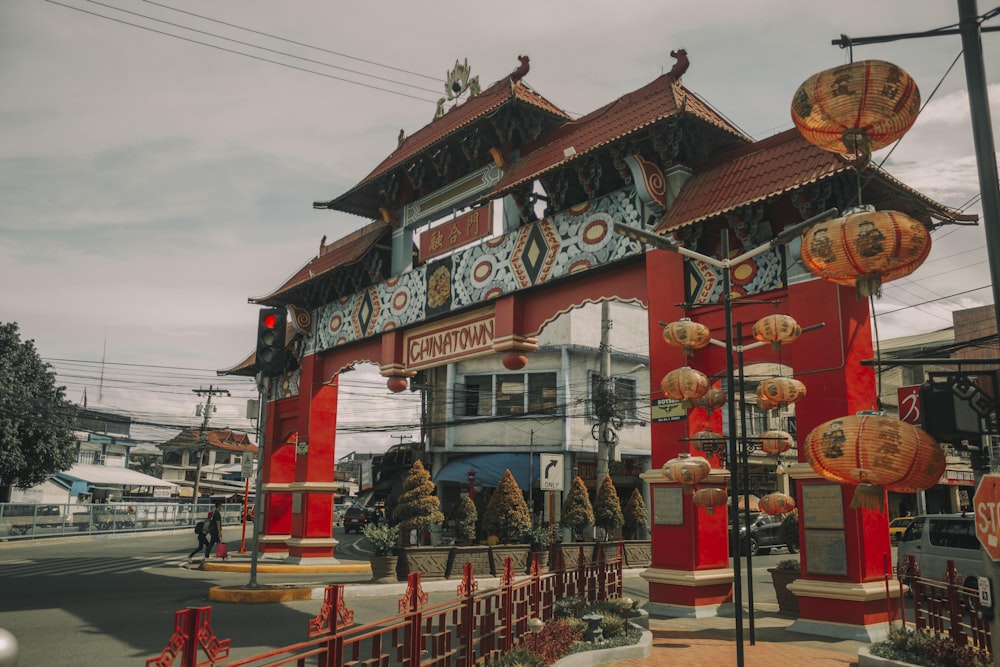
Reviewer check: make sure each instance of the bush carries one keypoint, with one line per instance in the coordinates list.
(608, 509)
(613, 624)
(556, 639)
(539, 538)
(507, 514)
(927, 649)
(636, 516)
(789, 529)
(577, 512)
(418, 507)
(465, 521)
(789, 565)
(521, 657)
(567, 607)
(382, 537)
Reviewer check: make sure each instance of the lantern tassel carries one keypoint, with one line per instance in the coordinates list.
(868, 285)
(868, 497)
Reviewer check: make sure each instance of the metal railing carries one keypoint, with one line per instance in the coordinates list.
(946, 607)
(26, 521)
(475, 628)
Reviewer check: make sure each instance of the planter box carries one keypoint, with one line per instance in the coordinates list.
(637, 553)
(518, 554)
(788, 602)
(543, 561)
(571, 553)
(478, 555)
(432, 562)
(384, 569)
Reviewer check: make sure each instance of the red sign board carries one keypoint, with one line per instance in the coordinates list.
(987, 505)
(909, 405)
(464, 229)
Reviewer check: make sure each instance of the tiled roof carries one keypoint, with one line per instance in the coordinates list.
(342, 252)
(215, 439)
(764, 170)
(661, 99)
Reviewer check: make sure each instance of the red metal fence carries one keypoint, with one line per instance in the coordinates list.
(475, 628)
(947, 607)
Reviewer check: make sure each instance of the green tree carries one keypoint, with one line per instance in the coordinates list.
(418, 507)
(636, 517)
(36, 421)
(577, 513)
(147, 464)
(465, 521)
(607, 508)
(507, 514)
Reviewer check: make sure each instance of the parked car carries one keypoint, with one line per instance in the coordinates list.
(935, 539)
(765, 534)
(355, 518)
(897, 527)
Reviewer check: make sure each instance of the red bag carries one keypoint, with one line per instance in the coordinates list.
(221, 551)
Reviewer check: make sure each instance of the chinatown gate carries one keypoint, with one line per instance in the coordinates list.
(498, 215)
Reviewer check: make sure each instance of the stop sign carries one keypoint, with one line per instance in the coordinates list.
(987, 505)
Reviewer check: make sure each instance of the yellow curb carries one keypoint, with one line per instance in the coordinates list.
(286, 568)
(260, 595)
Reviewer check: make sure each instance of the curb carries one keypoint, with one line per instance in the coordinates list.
(286, 568)
(262, 595)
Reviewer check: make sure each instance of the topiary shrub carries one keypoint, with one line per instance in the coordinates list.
(608, 509)
(465, 521)
(418, 507)
(507, 514)
(577, 513)
(636, 516)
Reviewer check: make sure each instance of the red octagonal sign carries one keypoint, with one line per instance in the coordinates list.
(987, 504)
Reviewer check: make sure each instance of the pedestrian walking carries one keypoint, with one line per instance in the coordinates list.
(214, 530)
(201, 529)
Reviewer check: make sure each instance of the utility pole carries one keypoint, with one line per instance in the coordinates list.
(206, 412)
(604, 401)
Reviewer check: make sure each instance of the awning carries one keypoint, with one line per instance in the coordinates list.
(489, 469)
(110, 475)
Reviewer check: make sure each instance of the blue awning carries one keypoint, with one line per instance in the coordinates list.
(489, 469)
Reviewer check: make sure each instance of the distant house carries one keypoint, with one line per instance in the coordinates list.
(220, 451)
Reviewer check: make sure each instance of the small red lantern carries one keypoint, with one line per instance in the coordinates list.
(708, 442)
(856, 108)
(714, 398)
(866, 248)
(397, 383)
(710, 498)
(777, 330)
(515, 361)
(874, 452)
(776, 503)
(776, 442)
(687, 470)
(684, 384)
(688, 335)
(780, 390)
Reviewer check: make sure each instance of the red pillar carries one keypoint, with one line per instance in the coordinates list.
(278, 472)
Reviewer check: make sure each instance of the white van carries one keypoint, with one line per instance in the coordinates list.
(934, 539)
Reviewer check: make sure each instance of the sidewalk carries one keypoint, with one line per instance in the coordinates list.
(675, 641)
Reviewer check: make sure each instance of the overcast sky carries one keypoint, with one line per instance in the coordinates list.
(150, 184)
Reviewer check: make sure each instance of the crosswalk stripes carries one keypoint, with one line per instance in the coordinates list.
(54, 567)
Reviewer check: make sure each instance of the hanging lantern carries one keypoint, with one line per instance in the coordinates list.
(708, 442)
(687, 470)
(856, 108)
(396, 383)
(776, 503)
(514, 361)
(684, 384)
(777, 330)
(866, 248)
(710, 498)
(714, 398)
(874, 452)
(687, 335)
(765, 403)
(776, 442)
(780, 391)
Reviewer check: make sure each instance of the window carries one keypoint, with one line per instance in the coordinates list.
(512, 394)
(623, 395)
(542, 393)
(474, 398)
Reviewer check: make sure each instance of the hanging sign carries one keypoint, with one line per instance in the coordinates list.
(462, 230)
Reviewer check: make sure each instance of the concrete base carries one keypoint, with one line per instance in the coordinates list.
(661, 610)
(860, 633)
(637, 651)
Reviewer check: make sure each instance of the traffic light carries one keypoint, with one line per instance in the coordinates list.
(271, 341)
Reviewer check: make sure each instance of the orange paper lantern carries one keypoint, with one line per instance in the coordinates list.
(875, 452)
(710, 498)
(396, 384)
(687, 470)
(776, 503)
(764, 403)
(856, 108)
(708, 442)
(714, 398)
(684, 384)
(780, 391)
(866, 248)
(777, 330)
(515, 361)
(776, 442)
(688, 335)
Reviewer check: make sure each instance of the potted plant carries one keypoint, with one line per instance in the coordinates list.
(638, 551)
(508, 518)
(608, 509)
(784, 573)
(466, 550)
(577, 515)
(383, 539)
(540, 540)
(416, 509)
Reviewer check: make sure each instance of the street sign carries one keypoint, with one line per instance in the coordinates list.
(909, 404)
(247, 465)
(551, 478)
(987, 505)
(667, 410)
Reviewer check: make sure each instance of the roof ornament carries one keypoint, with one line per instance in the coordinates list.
(519, 73)
(681, 66)
(457, 83)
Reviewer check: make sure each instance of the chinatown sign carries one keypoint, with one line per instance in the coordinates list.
(455, 233)
(463, 337)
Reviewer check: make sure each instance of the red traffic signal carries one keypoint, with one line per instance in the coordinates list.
(271, 355)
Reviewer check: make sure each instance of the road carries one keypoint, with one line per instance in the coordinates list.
(110, 601)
